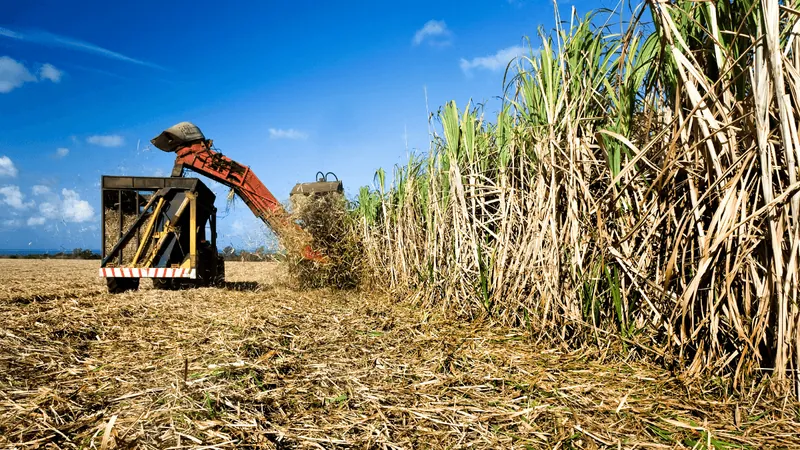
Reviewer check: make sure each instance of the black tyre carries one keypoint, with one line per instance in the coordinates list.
(210, 267)
(120, 285)
(219, 276)
(164, 284)
(174, 284)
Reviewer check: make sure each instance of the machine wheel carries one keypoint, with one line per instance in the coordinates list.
(219, 276)
(164, 284)
(120, 285)
(210, 266)
(174, 284)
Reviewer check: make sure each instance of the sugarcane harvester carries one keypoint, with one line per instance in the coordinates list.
(164, 228)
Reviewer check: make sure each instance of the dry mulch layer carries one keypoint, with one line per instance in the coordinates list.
(259, 364)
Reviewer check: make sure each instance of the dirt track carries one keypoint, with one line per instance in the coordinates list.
(271, 367)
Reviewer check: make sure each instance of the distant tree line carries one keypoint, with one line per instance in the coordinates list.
(229, 253)
(77, 253)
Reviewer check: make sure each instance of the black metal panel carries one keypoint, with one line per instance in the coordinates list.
(171, 208)
(155, 183)
(147, 183)
(168, 253)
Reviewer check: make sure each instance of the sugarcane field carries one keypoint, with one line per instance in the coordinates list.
(589, 239)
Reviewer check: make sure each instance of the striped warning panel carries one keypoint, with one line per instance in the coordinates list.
(158, 272)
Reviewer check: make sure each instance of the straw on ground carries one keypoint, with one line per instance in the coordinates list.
(272, 367)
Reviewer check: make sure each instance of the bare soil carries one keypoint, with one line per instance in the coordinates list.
(261, 364)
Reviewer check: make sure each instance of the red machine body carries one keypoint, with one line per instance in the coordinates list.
(194, 152)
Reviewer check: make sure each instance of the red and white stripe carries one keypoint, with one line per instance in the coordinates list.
(157, 272)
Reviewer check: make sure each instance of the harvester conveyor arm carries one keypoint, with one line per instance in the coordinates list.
(199, 157)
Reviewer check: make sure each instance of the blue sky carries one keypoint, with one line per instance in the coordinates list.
(287, 88)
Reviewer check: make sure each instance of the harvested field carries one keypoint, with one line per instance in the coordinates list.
(27, 281)
(263, 365)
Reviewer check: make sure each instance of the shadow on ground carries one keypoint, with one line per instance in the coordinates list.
(241, 286)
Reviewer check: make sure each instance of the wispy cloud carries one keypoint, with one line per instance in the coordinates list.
(495, 62)
(36, 221)
(5, 32)
(434, 32)
(40, 189)
(109, 140)
(14, 74)
(54, 40)
(99, 72)
(290, 133)
(10, 223)
(7, 167)
(62, 152)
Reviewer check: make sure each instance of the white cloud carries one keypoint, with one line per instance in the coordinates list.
(13, 74)
(498, 61)
(40, 190)
(49, 72)
(62, 152)
(110, 140)
(14, 198)
(75, 209)
(36, 221)
(291, 133)
(54, 40)
(7, 168)
(49, 210)
(435, 32)
(67, 207)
